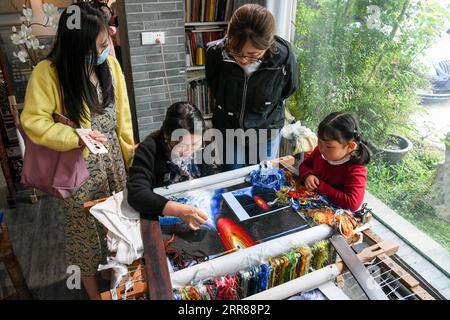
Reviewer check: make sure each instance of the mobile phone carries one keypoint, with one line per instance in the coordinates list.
(93, 145)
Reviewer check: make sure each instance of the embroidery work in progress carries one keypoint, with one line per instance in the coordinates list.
(253, 201)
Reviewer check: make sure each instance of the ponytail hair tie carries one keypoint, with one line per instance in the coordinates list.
(357, 135)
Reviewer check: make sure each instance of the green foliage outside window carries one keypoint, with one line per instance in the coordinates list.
(347, 63)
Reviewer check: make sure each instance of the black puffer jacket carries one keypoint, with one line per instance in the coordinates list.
(256, 101)
(150, 170)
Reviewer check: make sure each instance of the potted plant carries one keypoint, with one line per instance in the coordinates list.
(394, 149)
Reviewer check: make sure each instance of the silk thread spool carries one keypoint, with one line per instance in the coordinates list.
(320, 253)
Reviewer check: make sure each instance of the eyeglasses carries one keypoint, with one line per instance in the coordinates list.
(240, 57)
(189, 150)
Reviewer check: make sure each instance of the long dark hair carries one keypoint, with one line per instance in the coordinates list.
(182, 115)
(104, 7)
(69, 57)
(254, 23)
(343, 127)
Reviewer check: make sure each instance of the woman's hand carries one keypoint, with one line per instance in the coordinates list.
(193, 216)
(98, 136)
(311, 182)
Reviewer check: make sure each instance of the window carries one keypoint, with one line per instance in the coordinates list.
(389, 63)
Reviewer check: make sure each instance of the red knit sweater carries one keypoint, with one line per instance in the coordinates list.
(343, 184)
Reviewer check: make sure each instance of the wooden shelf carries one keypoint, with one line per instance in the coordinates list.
(206, 31)
(196, 68)
(189, 80)
(204, 24)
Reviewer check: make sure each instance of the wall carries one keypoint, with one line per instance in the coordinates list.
(143, 65)
(146, 70)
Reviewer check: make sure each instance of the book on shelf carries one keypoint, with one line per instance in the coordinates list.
(202, 11)
(208, 10)
(199, 39)
(199, 94)
(188, 10)
(195, 75)
(207, 22)
(189, 52)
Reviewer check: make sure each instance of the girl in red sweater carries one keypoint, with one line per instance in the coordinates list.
(336, 167)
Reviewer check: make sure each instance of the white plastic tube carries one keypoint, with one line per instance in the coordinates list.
(206, 181)
(247, 258)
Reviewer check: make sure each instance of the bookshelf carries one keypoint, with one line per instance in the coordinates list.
(209, 11)
(205, 21)
(205, 24)
(198, 35)
(196, 68)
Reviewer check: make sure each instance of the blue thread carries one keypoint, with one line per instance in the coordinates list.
(177, 296)
(270, 178)
(264, 277)
(169, 221)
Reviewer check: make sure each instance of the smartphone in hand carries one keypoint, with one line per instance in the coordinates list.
(93, 145)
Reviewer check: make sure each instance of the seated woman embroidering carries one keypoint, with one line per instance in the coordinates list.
(160, 161)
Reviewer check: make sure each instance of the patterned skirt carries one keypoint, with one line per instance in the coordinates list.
(85, 242)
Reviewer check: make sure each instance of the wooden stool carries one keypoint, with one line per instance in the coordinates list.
(137, 278)
(136, 273)
(12, 265)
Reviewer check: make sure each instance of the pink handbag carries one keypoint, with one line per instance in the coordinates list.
(56, 173)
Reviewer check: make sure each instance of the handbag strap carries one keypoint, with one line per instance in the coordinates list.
(59, 118)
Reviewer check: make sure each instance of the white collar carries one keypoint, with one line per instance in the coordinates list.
(250, 69)
(338, 162)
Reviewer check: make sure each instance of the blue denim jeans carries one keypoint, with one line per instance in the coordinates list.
(247, 154)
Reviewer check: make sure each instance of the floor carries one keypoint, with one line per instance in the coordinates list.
(36, 231)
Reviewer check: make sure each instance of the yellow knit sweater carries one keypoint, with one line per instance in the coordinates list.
(43, 98)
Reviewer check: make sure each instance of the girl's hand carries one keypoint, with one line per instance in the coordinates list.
(98, 136)
(311, 182)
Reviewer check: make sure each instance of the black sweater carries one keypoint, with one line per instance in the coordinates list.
(148, 171)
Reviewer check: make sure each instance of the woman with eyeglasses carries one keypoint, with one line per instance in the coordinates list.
(168, 156)
(250, 73)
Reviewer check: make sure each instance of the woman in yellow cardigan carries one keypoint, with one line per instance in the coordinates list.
(81, 81)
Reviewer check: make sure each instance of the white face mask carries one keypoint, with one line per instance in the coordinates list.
(338, 162)
(182, 161)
